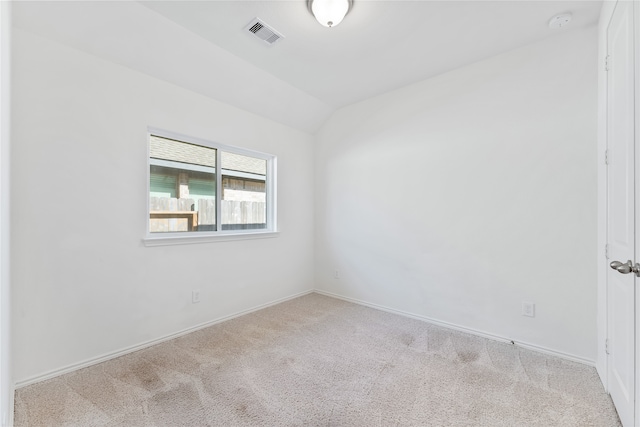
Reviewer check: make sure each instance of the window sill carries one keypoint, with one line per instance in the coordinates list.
(188, 238)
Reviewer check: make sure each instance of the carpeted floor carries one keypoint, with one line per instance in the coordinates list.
(319, 361)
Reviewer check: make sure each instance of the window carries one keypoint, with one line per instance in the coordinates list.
(189, 195)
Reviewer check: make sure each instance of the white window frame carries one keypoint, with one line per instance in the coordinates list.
(190, 237)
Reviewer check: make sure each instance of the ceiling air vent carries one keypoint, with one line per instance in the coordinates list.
(264, 32)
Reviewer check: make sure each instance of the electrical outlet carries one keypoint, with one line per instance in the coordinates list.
(528, 309)
(336, 274)
(195, 296)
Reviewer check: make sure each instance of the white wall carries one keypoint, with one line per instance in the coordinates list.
(84, 285)
(152, 44)
(6, 380)
(461, 196)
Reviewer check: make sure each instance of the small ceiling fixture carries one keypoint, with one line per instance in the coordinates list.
(329, 12)
(559, 21)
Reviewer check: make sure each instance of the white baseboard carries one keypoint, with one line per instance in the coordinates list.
(471, 331)
(93, 361)
(112, 355)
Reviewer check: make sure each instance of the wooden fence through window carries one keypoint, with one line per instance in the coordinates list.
(169, 214)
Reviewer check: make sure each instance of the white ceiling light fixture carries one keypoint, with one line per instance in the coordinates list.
(329, 13)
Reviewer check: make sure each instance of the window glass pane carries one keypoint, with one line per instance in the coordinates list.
(244, 192)
(182, 186)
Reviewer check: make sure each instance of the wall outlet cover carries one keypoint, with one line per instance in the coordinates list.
(528, 309)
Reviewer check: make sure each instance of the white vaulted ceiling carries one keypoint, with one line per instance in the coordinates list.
(303, 78)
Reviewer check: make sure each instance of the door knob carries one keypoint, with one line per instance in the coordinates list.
(626, 268)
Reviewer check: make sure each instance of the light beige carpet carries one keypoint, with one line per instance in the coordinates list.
(319, 361)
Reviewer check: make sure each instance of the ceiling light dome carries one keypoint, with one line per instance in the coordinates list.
(329, 12)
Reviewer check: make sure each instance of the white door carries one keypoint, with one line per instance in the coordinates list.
(621, 288)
